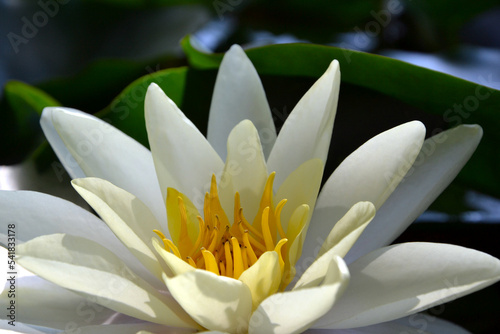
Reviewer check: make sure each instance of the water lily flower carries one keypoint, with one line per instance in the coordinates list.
(227, 234)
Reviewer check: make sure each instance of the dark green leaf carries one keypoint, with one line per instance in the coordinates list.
(21, 108)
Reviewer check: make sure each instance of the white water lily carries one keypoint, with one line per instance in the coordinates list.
(117, 276)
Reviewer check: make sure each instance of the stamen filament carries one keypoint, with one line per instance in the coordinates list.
(251, 254)
(238, 261)
(210, 263)
(268, 239)
(229, 260)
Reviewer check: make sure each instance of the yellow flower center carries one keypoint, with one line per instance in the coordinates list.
(223, 248)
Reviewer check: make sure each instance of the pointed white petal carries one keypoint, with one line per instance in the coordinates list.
(307, 131)
(183, 158)
(400, 280)
(129, 219)
(441, 158)
(348, 229)
(338, 242)
(39, 302)
(217, 303)
(36, 214)
(239, 95)
(91, 270)
(88, 146)
(245, 170)
(370, 174)
(294, 311)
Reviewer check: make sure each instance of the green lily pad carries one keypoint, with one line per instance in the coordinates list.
(451, 100)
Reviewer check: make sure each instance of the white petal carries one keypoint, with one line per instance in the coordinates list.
(88, 146)
(370, 174)
(91, 270)
(338, 242)
(183, 158)
(307, 131)
(400, 280)
(238, 95)
(36, 214)
(132, 328)
(245, 170)
(217, 303)
(441, 158)
(129, 219)
(348, 229)
(42, 303)
(419, 323)
(294, 311)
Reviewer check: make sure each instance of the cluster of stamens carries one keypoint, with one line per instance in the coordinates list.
(226, 249)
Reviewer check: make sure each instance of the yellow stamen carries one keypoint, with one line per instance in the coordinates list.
(191, 261)
(280, 206)
(229, 260)
(210, 263)
(238, 261)
(251, 254)
(249, 227)
(222, 268)
(265, 230)
(173, 248)
(278, 250)
(223, 248)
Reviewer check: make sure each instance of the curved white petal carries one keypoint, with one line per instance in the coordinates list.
(349, 228)
(91, 270)
(338, 242)
(88, 146)
(129, 219)
(294, 311)
(400, 280)
(370, 174)
(41, 303)
(36, 214)
(238, 95)
(307, 131)
(183, 158)
(441, 158)
(245, 170)
(217, 303)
